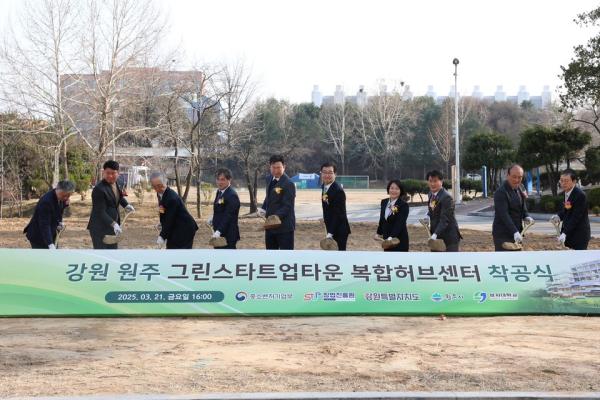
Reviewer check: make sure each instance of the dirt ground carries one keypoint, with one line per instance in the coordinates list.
(194, 355)
(52, 356)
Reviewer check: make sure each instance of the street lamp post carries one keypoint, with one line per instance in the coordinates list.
(457, 198)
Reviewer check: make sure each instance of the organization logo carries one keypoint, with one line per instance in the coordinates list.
(437, 297)
(312, 296)
(330, 296)
(244, 296)
(481, 297)
(339, 296)
(241, 296)
(373, 296)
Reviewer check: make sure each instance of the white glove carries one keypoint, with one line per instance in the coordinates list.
(434, 236)
(555, 219)
(160, 241)
(518, 238)
(117, 229)
(562, 238)
(217, 234)
(329, 236)
(261, 212)
(209, 221)
(129, 208)
(60, 226)
(52, 246)
(389, 238)
(529, 220)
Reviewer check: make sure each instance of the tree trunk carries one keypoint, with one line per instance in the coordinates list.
(66, 162)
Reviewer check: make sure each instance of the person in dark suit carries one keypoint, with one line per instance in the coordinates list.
(226, 210)
(393, 215)
(510, 209)
(48, 215)
(333, 200)
(107, 196)
(177, 226)
(279, 200)
(575, 231)
(440, 212)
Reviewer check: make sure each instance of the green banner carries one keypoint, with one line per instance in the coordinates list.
(302, 282)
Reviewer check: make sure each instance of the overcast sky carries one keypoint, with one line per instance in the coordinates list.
(295, 44)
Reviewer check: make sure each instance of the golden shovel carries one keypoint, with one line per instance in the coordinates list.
(114, 239)
(513, 246)
(328, 243)
(557, 226)
(216, 241)
(434, 244)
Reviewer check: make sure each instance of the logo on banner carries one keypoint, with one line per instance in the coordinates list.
(437, 297)
(376, 296)
(481, 297)
(241, 296)
(313, 296)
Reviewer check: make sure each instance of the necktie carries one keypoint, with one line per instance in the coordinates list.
(272, 184)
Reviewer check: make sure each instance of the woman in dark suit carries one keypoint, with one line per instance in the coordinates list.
(392, 219)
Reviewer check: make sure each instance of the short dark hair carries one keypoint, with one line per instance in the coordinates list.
(397, 183)
(276, 158)
(111, 164)
(328, 164)
(225, 172)
(435, 174)
(571, 173)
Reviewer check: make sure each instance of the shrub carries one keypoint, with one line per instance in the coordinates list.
(594, 197)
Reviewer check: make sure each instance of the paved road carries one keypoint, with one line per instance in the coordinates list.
(483, 222)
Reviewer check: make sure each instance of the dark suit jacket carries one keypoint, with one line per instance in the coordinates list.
(395, 224)
(576, 223)
(48, 213)
(225, 215)
(509, 212)
(334, 210)
(442, 219)
(105, 209)
(280, 201)
(178, 226)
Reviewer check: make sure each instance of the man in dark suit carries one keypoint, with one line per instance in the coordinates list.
(333, 200)
(279, 200)
(177, 226)
(442, 222)
(47, 217)
(575, 231)
(226, 209)
(510, 210)
(107, 195)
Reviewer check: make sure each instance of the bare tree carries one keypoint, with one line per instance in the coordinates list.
(235, 84)
(119, 36)
(35, 58)
(441, 134)
(334, 120)
(383, 125)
